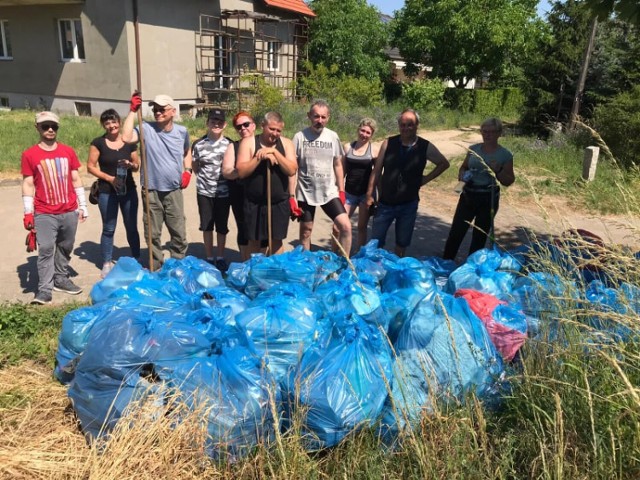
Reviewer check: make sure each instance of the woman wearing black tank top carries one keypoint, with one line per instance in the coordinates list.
(358, 164)
(107, 154)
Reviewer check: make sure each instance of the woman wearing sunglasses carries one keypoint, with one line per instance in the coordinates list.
(112, 161)
(245, 126)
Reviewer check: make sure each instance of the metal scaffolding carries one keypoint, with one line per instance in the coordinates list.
(240, 47)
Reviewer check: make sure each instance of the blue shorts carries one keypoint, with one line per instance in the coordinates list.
(355, 199)
(405, 216)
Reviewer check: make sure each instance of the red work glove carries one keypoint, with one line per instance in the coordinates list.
(31, 242)
(136, 102)
(186, 178)
(296, 211)
(343, 197)
(28, 221)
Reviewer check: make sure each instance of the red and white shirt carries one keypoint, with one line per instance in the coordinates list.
(51, 172)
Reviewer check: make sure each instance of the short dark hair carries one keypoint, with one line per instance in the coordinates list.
(109, 114)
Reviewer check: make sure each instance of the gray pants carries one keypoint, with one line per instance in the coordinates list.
(167, 208)
(56, 235)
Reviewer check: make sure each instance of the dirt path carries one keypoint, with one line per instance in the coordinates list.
(516, 222)
(520, 218)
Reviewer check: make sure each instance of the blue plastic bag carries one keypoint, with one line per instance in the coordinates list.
(235, 395)
(125, 272)
(192, 273)
(347, 294)
(443, 352)
(282, 323)
(340, 385)
(109, 372)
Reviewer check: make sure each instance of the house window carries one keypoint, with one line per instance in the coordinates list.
(223, 61)
(71, 40)
(83, 109)
(273, 54)
(5, 41)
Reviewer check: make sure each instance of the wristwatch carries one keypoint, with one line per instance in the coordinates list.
(190, 170)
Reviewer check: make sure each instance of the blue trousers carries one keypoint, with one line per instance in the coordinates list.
(109, 204)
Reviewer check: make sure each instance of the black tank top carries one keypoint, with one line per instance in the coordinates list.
(403, 168)
(108, 162)
(358, 170)
(255, 185)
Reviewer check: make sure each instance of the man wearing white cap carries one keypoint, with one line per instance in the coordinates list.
(168, 156)
(54, 201)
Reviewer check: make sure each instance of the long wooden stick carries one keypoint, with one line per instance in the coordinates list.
(269, 208)
(143, 152)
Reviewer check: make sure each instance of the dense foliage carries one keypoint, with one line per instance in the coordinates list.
(627, 10)
(618, 121)
(465, 39)
(350, 35)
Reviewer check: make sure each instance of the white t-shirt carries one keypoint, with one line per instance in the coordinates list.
(316, 154)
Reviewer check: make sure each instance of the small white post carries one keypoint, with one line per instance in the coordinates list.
(590, 163)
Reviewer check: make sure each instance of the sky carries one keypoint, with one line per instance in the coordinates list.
(388, 6)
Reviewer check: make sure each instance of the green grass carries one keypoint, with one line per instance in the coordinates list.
(29, 332)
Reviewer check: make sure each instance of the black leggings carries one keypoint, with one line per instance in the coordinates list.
(332, 208)
(472, 205)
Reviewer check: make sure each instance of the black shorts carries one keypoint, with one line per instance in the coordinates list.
(332, 208)
(256, 220)
(214, 212)
(236, 197)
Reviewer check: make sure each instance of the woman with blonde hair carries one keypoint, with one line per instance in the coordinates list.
(360, 156)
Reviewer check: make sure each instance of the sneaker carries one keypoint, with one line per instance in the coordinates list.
(42, 298)
(221, 264)
(67, 286)
(106, 268)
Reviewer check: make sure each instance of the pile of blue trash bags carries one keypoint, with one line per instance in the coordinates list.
(307, 339)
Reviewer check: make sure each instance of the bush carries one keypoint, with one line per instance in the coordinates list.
(501, 102)
(618, 122)
(329, 83)
(259, 95)
(427, 94)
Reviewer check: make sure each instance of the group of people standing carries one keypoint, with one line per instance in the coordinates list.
(265, 179)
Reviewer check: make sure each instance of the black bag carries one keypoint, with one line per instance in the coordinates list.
(94, 192)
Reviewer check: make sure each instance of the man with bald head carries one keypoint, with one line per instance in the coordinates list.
(398, 175)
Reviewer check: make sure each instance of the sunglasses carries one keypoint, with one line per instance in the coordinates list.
(240, 126)
(46, 126)
(160, 109)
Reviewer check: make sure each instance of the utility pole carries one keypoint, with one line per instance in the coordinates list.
(575, 109)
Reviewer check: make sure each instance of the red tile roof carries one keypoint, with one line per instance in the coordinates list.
(292, 5)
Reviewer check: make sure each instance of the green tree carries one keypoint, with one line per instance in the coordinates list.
(552, 74)
(625, 10)
(615, 64)
(618, 121)
(552, 77)
(465, 39)
(351, 35)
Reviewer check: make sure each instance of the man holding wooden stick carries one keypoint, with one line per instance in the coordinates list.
(266, 162)
(168, 154)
